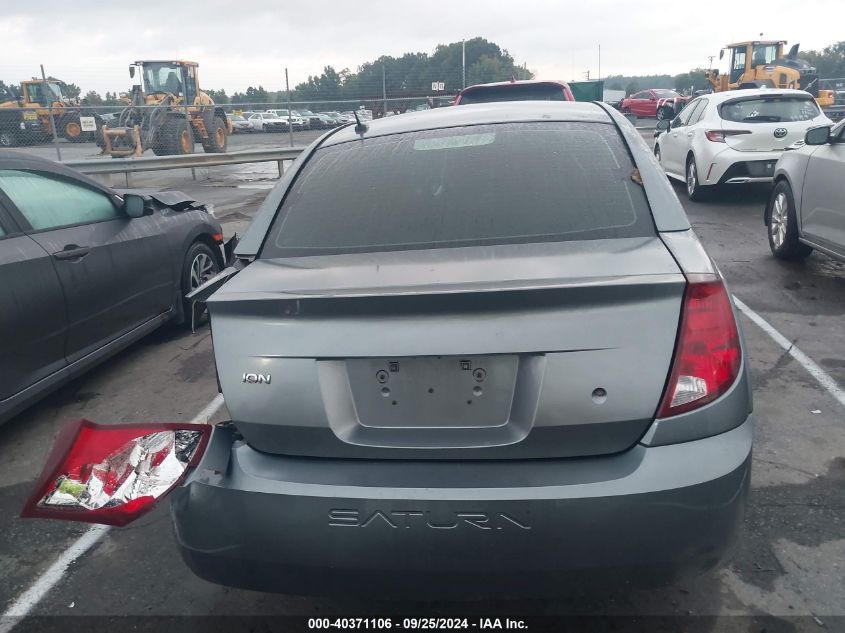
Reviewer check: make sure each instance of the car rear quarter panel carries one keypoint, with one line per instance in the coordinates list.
(182, 228)
(792, 166)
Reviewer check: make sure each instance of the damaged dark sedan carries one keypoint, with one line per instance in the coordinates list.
(86, 271)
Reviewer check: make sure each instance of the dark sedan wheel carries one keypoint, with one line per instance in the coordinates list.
(200, 265)
(783, 225)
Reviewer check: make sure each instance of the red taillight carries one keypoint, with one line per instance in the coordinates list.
(113, 474)
(718, 136)
(707, 354)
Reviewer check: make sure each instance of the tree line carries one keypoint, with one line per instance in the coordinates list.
(409, 75)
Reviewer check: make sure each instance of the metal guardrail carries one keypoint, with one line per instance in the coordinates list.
(184, 161)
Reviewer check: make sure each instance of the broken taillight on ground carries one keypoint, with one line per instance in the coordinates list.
(112, 474)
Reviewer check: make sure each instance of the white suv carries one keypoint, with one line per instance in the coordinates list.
(733, 137)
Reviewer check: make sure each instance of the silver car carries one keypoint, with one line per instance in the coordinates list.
(806, 210)
(240, 124)
(459, 361)
(268, 122)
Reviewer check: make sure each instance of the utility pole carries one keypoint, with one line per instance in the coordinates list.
(384, 89)
(464, 63)
(290, 114)
(710, 57)
(52, 118)
(599, 62)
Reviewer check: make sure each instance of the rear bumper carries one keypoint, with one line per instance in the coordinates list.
(322, 526)
(732, 167)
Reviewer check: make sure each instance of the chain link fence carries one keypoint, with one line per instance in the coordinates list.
(66, 129)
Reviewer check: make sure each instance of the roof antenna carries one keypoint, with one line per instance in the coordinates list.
(360, 128)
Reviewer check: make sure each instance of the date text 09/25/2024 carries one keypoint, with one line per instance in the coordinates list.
(413, 624)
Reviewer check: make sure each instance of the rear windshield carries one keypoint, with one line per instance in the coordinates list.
(463, 186)
(769, 109)
(516, 92)
(666, 94)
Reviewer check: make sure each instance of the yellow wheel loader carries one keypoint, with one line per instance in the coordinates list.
(762, 64)
(26, 118)
(167, 112)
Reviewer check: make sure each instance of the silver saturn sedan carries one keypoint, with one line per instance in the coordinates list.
(473, 351)
(806, 210)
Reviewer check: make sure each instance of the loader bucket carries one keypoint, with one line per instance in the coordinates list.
(131, 137)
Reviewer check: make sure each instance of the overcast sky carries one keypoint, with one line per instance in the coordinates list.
(238, 44)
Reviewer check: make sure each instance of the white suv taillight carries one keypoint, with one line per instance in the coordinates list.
(708, 353)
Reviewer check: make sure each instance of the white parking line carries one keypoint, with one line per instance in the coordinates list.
(28, 600)
(32, 596)
(823, 378)
(209, 410)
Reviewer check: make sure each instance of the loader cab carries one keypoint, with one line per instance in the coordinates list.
(173, 77)
(43, 93)
(739, 55)
(764, 53)
(745, 57)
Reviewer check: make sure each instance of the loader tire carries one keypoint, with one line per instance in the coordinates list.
(174, 138)
(72, 130)
(217, 137)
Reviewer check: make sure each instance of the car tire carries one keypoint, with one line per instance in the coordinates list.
(695, 190)
(263, 128)
(200, 265)
(217, 136)
(782, 224)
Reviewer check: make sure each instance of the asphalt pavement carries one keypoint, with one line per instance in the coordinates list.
(788, 570)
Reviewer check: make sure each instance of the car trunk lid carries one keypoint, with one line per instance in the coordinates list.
(767, 123)
(507, 351)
